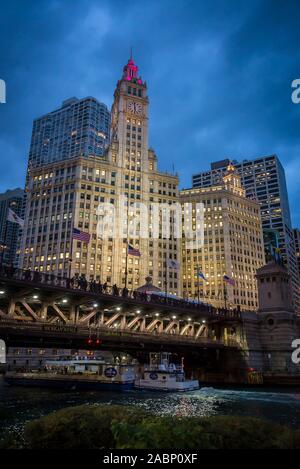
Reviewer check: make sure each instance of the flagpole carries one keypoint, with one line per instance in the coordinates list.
(166, 282)
(71, 258)
(126, 263)
(198, 283)
(71, 252)
(225, 294)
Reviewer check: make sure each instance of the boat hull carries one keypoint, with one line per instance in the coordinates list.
(170, 387)
(68, 384)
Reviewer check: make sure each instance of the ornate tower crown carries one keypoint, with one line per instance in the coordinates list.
(230, 168)
(232, 180)
(130, 72)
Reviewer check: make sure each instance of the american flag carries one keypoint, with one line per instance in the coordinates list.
(173, 264)
(228, 280)
(201, 275)
(132, 251)
(81, 236)
(14, 218)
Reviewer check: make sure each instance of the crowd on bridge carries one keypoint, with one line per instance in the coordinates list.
(80, 282)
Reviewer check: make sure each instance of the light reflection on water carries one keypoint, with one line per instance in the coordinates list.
(24, 404)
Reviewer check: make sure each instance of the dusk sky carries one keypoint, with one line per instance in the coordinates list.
(219, 76)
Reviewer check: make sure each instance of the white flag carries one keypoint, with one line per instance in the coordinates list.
(14, 218)
(173, 264)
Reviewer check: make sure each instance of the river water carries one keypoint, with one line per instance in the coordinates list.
(20, 405)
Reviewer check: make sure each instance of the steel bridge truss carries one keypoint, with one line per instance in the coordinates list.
(26, 303)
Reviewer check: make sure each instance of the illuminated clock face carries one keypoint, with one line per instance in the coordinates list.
(135, 108)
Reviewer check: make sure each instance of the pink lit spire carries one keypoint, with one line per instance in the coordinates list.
(130, 71)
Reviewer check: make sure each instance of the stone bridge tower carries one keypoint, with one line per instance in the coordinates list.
(277, 321)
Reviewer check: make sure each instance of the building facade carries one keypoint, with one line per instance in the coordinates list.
(34, 358)
(9, 232)
(71, 193)
(297, 246)
(80, 127)
(233, 245)
(264, 180)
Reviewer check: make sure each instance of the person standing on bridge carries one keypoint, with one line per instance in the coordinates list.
(27, 275)
(83, 283)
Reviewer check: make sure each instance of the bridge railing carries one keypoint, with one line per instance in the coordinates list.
(96, 288)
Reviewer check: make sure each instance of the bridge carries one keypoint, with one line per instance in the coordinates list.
(42, 310)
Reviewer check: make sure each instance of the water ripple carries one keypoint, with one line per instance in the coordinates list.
(23, 404)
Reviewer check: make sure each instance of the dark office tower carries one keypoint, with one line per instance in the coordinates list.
(264, 180)
(79, 128)
(11, 199)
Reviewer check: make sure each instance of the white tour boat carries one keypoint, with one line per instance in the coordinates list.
(161, 375)
(77, 374)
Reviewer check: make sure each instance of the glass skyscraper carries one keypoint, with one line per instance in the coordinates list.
(9, 231)
(264, 180)
(79, 128)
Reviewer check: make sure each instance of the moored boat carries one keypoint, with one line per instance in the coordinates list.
(78, 374)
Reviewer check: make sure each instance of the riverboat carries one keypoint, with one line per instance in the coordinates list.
(161, 375)
(81, 374)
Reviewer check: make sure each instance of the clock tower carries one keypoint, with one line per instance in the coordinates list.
(140, 185)
(129, 127)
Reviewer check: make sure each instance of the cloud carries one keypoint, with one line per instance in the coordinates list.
(218, 74)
